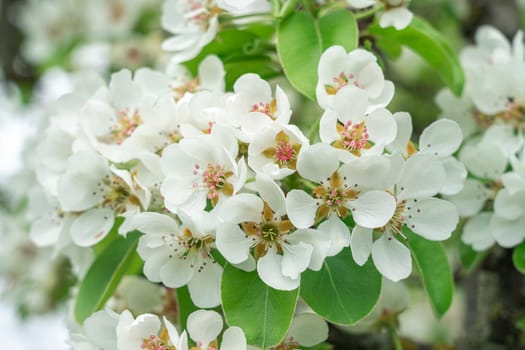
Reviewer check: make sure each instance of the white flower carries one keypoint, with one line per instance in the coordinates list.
(144, 333)
(282, 252)
(307, 329)
(179, 254)
(204, 328)
(100, 329)
(421, 178)
(351, 130)
(253, 107)
(201, 169)
(275, 149)
(91, 186)
(339, 69)
(194, 24)
(123, 120)
(355, 189)
(210, 77)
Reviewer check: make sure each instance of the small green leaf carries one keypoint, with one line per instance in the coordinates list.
(518, 257)
(263, 313)
(428, 43)
(301, 39)
(432, 263)
(118, 258)
(342, 291)
(299, 49)
(339, 27)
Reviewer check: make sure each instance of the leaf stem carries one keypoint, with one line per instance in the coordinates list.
(396, 340)
(369, 12)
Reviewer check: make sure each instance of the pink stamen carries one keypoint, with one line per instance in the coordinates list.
(284, 152)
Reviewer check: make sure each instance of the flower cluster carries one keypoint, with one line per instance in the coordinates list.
(491, 113)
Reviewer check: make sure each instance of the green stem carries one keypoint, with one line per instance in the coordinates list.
(276, 8)
(288, 8)
(313, 130)
(395, 337)
(369, 12)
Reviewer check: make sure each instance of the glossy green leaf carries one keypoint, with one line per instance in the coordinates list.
(118, 258)
(301, 39)
(342, 291)
(518, 257)
(263, 313)
(262, 65)
(432, 263)
(428, 43)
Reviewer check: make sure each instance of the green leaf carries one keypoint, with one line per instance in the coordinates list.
(262, 65)
(428, 43)
(301, 39)
(342, 291)
(521, 323)
(339, 27)
(432, 263)
(185, 305)
(518, 257)
(118, 258)
(263, 313)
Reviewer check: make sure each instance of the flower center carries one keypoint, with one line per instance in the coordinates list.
(155, 343)
(191, 85)
(513, 116)
(201, 13)
(354, 137)
(283, 153)
(268, 232)
(270, 109)
(211, 346)
(213, 180)
(116, 194)
(125, 126)
(396, 222)
(339, 82)
(332, 198)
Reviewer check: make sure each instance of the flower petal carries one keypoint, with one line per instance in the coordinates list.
(269, 268)
(233, 339)
(391, 258)
(432, 218)
(308, 329)
(92, 226)
(361, 244)
(233, 243)
(301, 208)
(441, 138)
(204, 326)
(373, 208)
(477, 232)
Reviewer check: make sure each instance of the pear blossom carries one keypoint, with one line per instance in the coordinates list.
(275, 150)
(253, 107)
(282, 251)
(355, 188)
(123, 120)
(338, 69)
(201, 169)
(351, 130)
(420, 179)
(177, 254)
(100, 191)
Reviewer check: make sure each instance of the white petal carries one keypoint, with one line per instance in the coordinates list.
(271, 193)
(510, 206)
(46, 231)
(484, 160)
(92, 226)
(317, 162)
(441, 138)
(373, 208)
(204, 326)
(369, 172)
(422, 177)
(337, 233)
(404, 132)
(233, 243)
(100, 329)
(391, 258)
(399, 18)
(455, 173)
(350, 104)
(205, 286)
(432, 218)
(269, 268)
(301, 208)
(177, 271)
(477, 232)
(296, 258)
(308, 329)
(471, 198)
(361, 244)
(154, 224)
(233, 339)
(327, 127)
(243, 207)
(508, 233)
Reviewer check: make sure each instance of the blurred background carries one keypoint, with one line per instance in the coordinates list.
(43, 46)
